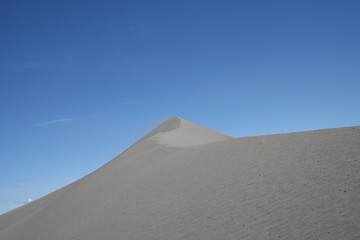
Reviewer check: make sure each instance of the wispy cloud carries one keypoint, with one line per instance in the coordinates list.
(58, 121)
(18, 194)
(29, 200)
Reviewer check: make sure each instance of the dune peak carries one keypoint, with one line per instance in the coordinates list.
(178, 132)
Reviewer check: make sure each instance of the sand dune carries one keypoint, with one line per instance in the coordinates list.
(183, 181)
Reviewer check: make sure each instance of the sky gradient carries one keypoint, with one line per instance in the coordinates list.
(80, 81)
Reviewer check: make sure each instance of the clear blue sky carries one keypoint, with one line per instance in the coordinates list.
(80, 81)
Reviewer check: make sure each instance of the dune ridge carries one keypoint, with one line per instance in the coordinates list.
(177, 132)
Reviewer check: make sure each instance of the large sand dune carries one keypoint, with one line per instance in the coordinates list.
(183, 181)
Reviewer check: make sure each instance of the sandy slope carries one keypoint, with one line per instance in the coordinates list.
(182, 181)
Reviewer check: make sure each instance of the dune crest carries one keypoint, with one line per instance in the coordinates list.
(177, 132)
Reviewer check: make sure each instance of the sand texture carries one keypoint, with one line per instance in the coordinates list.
(183, 181)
